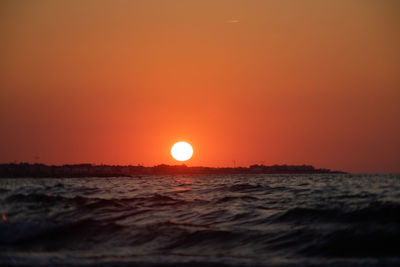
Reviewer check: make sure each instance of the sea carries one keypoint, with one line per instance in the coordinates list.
(201, 220)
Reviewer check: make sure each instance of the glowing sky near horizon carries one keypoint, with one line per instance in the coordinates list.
(273, 82)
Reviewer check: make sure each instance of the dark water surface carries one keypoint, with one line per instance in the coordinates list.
(250, 220)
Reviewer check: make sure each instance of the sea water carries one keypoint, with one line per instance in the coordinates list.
(197, 220)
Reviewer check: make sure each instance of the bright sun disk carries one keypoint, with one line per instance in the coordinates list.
(182, 151)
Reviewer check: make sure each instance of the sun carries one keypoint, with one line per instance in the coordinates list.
(182, 151)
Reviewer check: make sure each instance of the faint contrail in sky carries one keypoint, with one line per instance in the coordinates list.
(232, 21)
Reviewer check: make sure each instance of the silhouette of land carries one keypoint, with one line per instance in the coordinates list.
(12, 170)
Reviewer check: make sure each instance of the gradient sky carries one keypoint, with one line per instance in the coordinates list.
(272, 82)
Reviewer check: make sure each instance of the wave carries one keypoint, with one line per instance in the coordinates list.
(247, 219)
(374, 212)
(73, 234)
(244, 187)
(48, 199)
(233, 198)
(355, 242)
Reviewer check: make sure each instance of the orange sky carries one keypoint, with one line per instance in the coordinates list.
(118, 82)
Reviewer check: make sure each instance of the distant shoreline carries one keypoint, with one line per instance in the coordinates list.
(21, 170)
